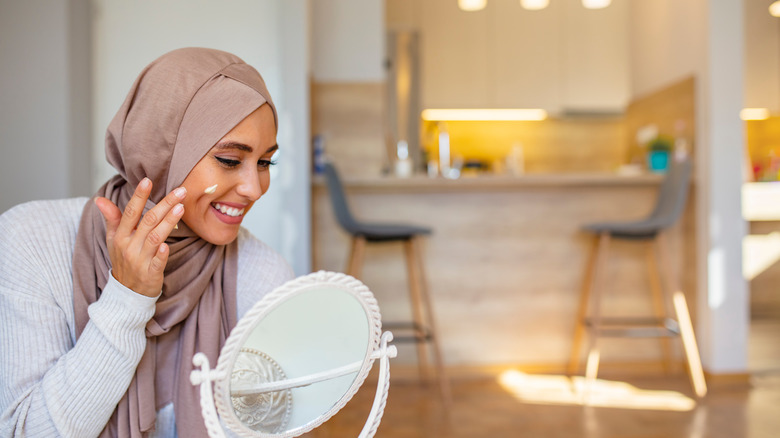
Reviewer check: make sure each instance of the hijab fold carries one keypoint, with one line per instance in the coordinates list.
(177, 109)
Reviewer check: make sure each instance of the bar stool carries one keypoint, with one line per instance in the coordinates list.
(422, 327)
(668, 209)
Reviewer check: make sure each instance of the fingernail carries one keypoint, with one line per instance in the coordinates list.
(178, 209)
(145, 183)
(180, 192)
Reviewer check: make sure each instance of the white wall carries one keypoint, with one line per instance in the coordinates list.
(348, 40)
(44, 100)
(270, 35)
(725, 313)
(671, 40)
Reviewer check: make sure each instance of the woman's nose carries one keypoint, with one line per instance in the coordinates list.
(250, 185)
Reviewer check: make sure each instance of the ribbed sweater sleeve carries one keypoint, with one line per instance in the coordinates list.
(50, 384)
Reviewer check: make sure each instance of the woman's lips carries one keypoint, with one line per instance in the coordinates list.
(228, 213)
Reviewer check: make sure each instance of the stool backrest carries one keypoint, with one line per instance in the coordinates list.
(338, 199)
(672, 194)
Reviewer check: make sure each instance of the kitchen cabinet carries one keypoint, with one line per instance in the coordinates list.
(455, 65)
(564, 58)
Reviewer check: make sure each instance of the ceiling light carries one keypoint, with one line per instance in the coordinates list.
(472, 5)
(483, 114)
(535, 5)
(774, 9)
(596, 4)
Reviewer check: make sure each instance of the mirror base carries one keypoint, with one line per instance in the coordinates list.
(205, 376)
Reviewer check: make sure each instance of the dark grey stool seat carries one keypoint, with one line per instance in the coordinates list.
(379, 232)
(371, 231)
(422, 326)
(669, 206)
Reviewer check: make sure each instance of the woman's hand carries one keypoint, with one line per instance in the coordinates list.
(136, 244)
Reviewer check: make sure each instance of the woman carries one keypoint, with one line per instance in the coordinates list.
(104, 302)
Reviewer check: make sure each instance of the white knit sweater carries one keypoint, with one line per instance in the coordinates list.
(51, 385)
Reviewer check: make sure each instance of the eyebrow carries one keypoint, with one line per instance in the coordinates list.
(242, 147)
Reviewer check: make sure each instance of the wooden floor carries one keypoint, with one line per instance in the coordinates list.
(518, 405)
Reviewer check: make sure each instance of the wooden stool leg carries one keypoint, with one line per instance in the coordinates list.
(582, 308)
(414, 257)
(417, 309)
(355, 262)
(592, 365)
(695, 370)
(659, 303)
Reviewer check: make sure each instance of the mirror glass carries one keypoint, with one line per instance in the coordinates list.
(299, 359)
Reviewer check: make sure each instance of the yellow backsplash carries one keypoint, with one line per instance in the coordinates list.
(763, 143)
(552, 145)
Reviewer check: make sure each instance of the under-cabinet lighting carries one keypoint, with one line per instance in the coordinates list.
(472, 5)
(754, 114)
(484, 114)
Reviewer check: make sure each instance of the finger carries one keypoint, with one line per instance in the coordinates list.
(135, 208)
(157, 214)
(111, 214)
(155, 238)
(160, 259)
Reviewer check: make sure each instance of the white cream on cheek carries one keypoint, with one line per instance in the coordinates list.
(210, 190)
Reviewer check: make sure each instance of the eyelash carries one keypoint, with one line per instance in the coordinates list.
(226, 162)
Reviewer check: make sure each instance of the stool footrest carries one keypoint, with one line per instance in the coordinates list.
(411, 332)
(635, 327)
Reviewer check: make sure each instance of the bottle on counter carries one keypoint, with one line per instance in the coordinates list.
(318, 154)
(515, 161)
(403, 165)
(680, 142)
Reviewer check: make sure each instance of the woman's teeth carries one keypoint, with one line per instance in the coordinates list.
(230, 211)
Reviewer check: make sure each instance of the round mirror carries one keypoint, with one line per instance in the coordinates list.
(298, 356)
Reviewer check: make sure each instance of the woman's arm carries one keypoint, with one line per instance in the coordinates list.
(48, 385)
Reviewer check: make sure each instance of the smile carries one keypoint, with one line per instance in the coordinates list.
(229, 211)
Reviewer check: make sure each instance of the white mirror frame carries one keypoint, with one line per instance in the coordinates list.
(377, 348)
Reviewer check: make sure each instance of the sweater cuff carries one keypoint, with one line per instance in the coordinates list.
(128, 296)
(119, 309)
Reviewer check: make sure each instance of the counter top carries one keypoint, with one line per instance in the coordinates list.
(496, 182)
(761, 201)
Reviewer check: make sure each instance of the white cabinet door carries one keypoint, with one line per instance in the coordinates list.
(595, 57)
(454, 57)
(525, 56)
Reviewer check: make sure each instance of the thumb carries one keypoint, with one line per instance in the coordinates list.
(110, 213)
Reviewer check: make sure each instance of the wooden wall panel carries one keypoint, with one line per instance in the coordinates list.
(350, 118)
(669, 108)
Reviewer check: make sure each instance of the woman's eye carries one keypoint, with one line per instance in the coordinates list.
(227, 162)
(265, 164)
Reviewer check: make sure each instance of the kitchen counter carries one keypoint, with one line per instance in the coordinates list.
(495, 182)
(505, 260)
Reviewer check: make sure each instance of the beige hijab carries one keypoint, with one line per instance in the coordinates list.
(178, 108)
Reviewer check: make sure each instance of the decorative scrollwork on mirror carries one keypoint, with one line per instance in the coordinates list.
(267, 412)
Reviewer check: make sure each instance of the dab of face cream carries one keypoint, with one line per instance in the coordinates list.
(210, 190)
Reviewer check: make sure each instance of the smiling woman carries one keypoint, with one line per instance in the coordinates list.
(104, 303)
(230, 178)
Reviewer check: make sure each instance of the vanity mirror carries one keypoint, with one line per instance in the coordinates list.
(295, 359)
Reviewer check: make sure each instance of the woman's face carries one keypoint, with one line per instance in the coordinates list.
(239, 167)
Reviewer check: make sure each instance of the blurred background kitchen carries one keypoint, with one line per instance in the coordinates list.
(504, 126)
